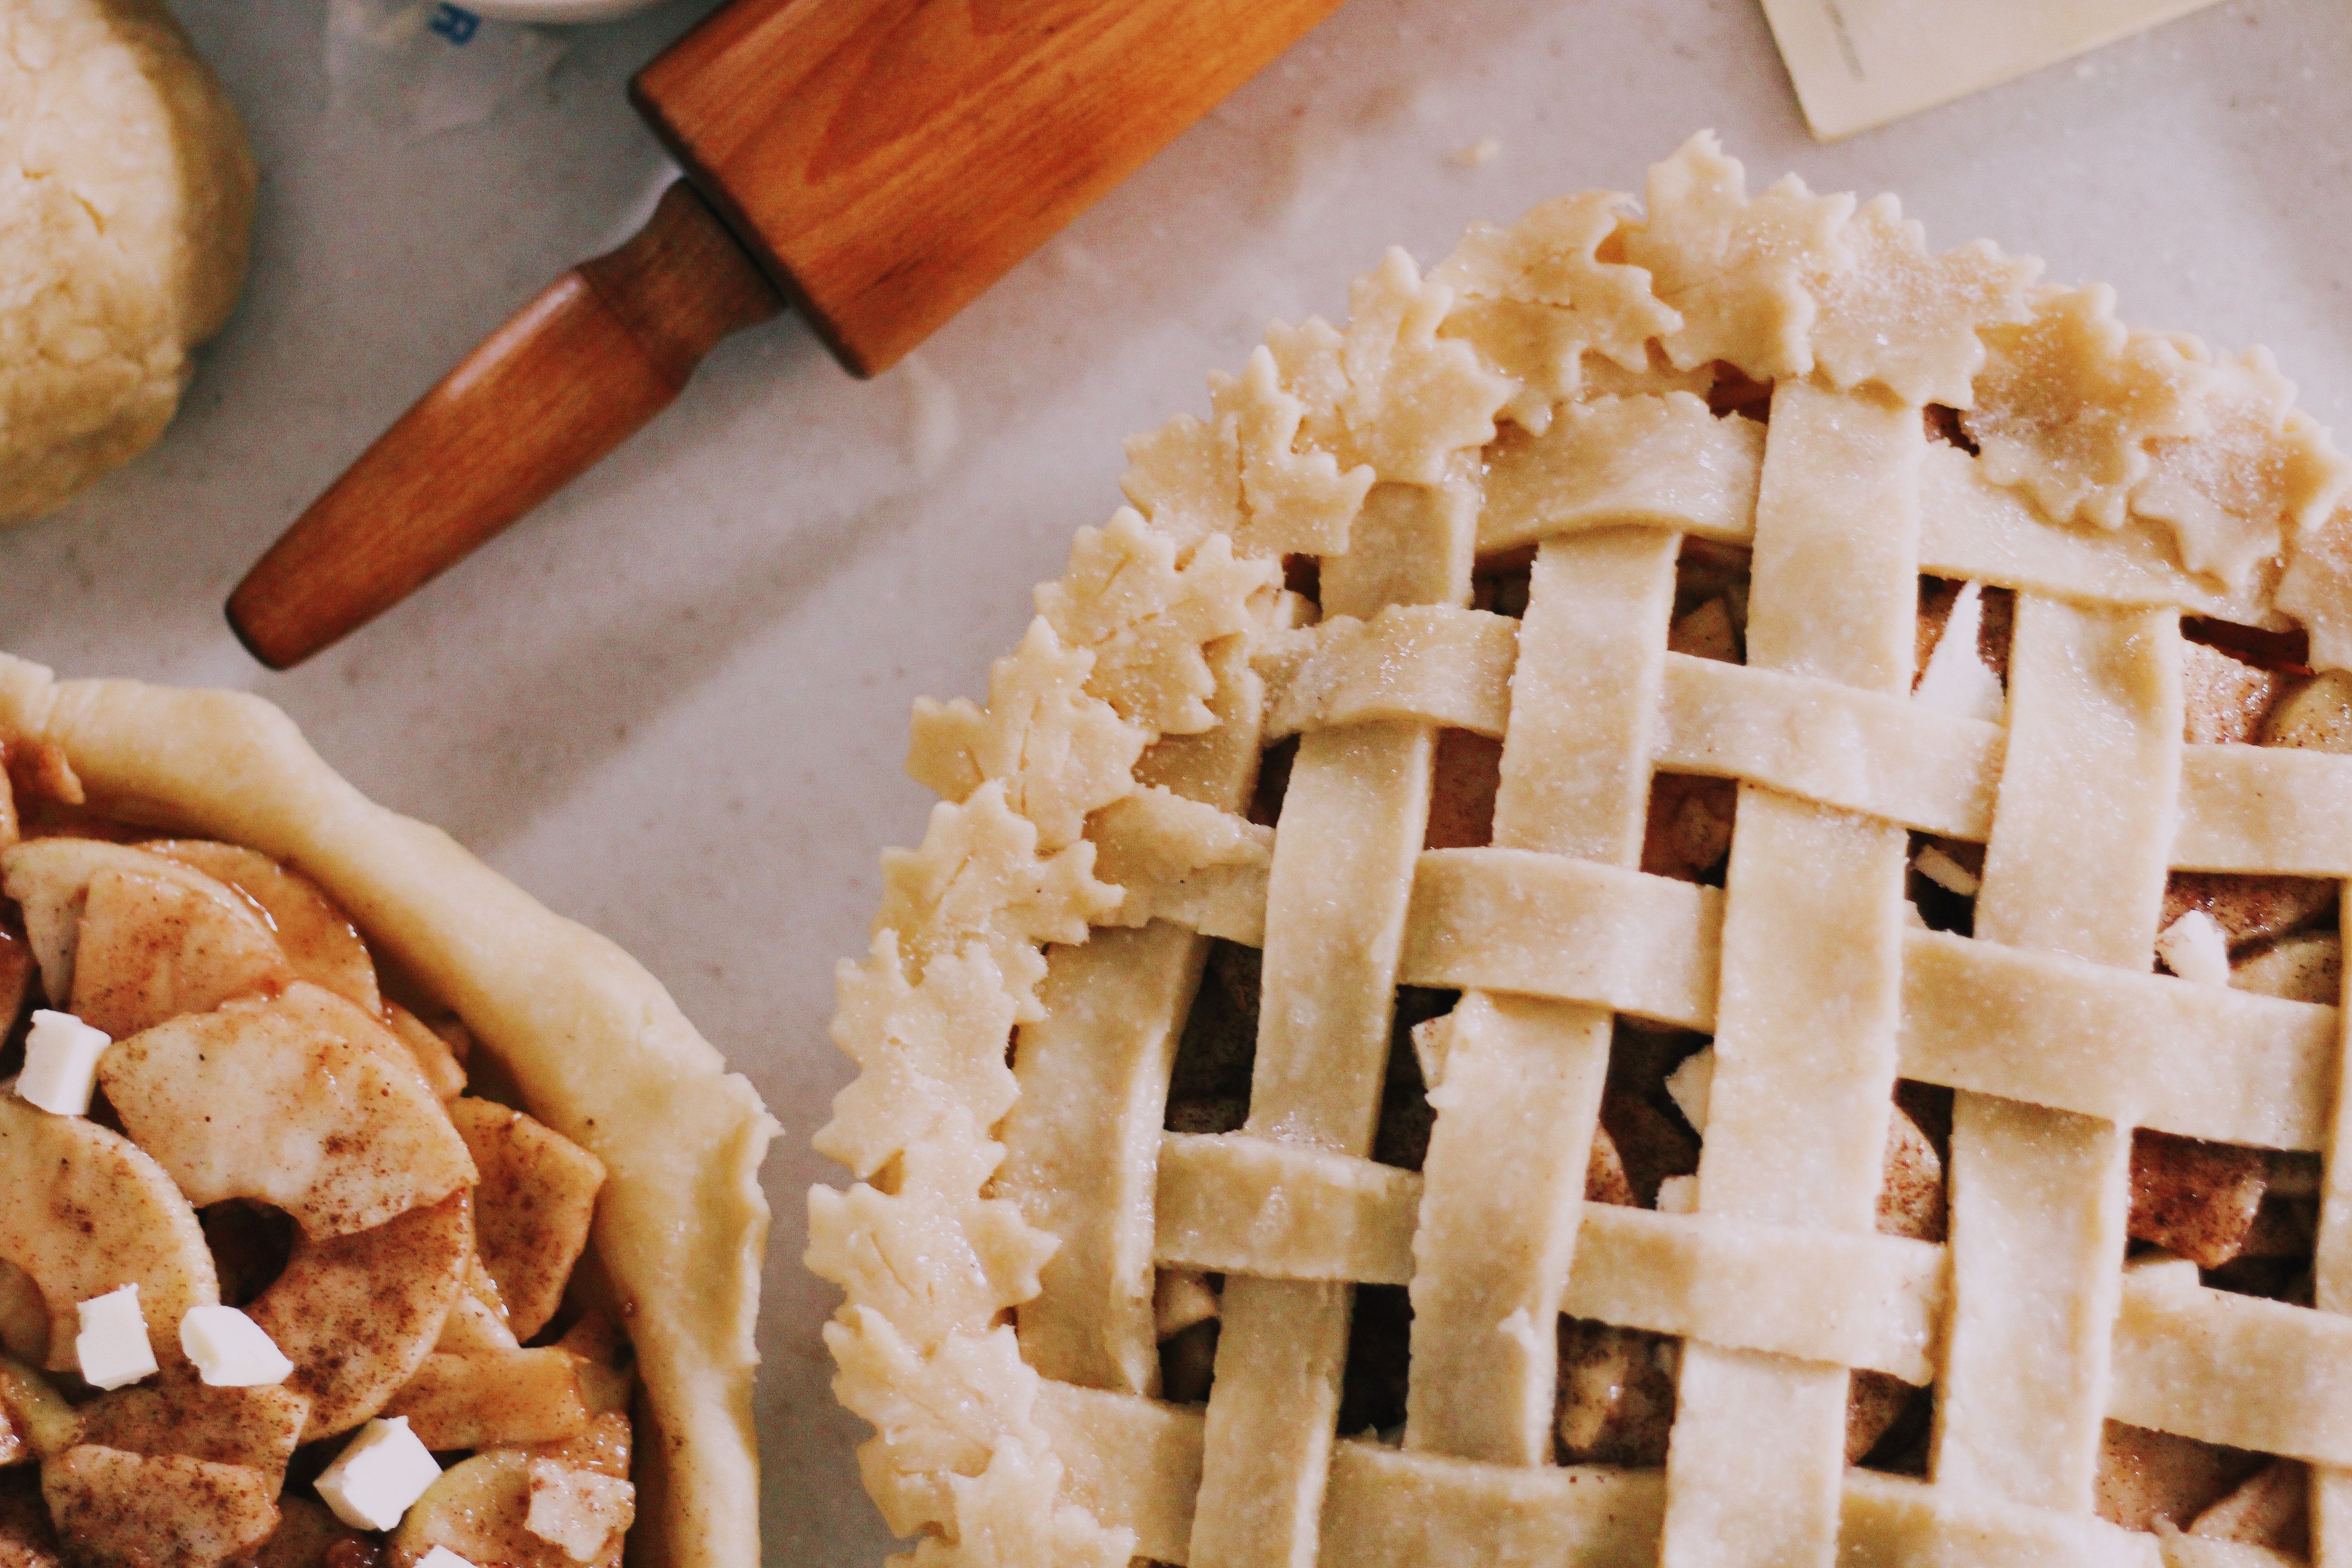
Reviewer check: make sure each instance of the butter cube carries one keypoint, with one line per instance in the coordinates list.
(61, 1056)
(232, 1351)
(112, 1345)
(379, 1477)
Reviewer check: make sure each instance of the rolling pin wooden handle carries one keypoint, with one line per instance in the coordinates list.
(606, 347)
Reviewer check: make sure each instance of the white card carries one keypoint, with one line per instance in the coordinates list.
(1860, 63)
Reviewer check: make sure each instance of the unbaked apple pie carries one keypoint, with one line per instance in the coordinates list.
(1678, 899)
(353, 1209)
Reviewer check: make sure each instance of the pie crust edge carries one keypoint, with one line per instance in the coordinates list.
(590, 1037)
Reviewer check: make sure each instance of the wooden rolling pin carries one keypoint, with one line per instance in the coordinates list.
(874, 164)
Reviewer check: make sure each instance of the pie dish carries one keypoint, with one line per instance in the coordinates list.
(1575, 892)
(604, 1074)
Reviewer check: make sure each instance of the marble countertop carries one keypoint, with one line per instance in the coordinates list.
(672, 704)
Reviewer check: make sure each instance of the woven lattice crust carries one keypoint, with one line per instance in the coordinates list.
(1582, 396)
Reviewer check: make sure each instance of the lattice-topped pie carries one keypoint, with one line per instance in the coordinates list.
(354, 1210)
(1675, 900)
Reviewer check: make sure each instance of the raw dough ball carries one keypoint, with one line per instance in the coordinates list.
(126, 195)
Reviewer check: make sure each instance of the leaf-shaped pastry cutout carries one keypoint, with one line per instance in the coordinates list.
(2066, 403)
(1737, 269)
(1907, 321)
(979, 877)
(1186, 477)
(1538, 303)
(1009, 1517)
(2258, 472)
(1414, 398)
(1145, 619)
(1551, 257)
(2316, 588)
(933, 1256)
(1297, 499)
(920, 1049)
(941, 1413)
(1061, 751)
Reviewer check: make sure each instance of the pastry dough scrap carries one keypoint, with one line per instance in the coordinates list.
(1737, 270)
(1908, 322)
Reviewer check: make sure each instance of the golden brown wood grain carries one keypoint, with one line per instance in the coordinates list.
(893, 158)
(880, 162)
(603, 350)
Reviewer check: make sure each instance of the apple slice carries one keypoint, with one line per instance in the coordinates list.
(603, 1448)
(479, 1509)
(493, 1397)
(166, 938)
(15, 975)
(340, 1137)
(38, 1413)
(537, 1193)
(24, 1316)
(330, 1013)
(357, 1314)
(319, 939)
(308, 1536)
(479, 1320)
(258, 1428)
(115, 1510)
(435, 1059)
(83, 1210)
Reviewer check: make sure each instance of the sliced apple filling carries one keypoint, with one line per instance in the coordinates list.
(274, 1140)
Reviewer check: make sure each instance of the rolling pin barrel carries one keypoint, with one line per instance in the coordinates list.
(877, 164)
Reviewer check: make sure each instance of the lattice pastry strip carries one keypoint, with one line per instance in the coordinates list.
(1351, 826)
(1805, 1034)
(1084, 1137)
(2040, 1195)
(1519, 1093)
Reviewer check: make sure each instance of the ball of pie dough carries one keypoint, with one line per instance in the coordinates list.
(126, 195)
